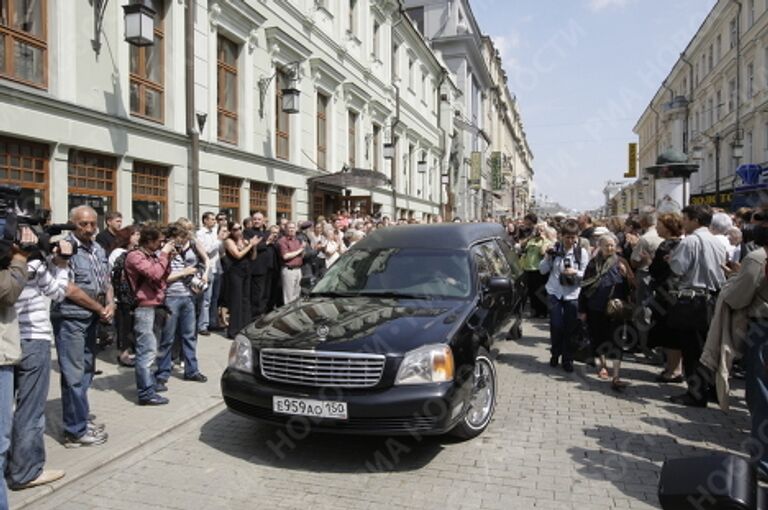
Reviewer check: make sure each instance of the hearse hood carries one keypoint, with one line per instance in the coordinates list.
(359, 324)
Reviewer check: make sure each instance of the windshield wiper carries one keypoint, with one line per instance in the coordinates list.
(396, 295)
(330, 293)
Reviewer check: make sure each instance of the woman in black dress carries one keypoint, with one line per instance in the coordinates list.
(670, 227)
(238, 278)
(608, 276)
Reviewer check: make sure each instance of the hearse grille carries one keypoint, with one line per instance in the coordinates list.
(322, 368)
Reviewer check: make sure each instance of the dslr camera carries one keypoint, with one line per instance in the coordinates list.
(556, 251)
(197, 285)
(13, 217)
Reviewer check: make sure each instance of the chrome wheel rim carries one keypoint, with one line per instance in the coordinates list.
(483, 392)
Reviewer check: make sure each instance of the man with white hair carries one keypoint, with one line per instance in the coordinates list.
(75, 320)
(721, 224)
(354, 237)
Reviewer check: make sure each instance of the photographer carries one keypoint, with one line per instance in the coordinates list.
(47, 280)
(147, 269)
(565, 263)
(12, 280)
(75, 322)
(185, 282)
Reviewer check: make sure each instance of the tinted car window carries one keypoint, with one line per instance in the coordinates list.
(512, 259)
(482, 264)
(499, 265)
(436, 273)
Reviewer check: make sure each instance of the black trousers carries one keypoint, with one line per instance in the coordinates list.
(535, 283)
(261, 291)
(698, 378)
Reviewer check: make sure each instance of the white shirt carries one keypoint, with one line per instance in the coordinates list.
(46, 282)
(209, 239)
(554, 267)
(729, 248)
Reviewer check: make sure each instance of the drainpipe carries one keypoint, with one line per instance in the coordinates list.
(686, 141)
(656, 142)
(738, 72)
(439, 102)
(393, 164)
(396, 120)
(193, 172)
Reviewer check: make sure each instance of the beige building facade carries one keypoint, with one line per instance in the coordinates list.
(713, 105)
(109, 127)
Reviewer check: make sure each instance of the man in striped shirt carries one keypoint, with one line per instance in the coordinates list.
(46, 281)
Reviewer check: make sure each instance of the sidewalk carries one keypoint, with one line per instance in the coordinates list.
(113, 401)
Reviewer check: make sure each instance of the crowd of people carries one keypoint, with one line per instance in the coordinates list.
(670, 283)
(688, 288)
(150, 289)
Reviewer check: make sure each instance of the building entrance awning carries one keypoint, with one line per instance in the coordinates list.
(352, 178)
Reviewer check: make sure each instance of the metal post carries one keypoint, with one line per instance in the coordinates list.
(193, 174)
(717, 170)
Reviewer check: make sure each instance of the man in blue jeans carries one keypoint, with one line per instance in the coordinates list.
(75, 322)
(180, 301)
(210, 238)
(47, 280)
(12, 279)
(147, 270)
(565, 264)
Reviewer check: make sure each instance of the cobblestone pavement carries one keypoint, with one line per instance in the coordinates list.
(558, 441)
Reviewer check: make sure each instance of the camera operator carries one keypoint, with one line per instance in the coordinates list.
(75, 322)
(565, 263)
(12, 280)
(47, 280)
(185, 282)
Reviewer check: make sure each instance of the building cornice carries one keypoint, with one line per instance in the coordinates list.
(257, 159)
(34, 99)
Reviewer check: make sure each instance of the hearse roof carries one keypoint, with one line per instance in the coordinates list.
(444, 236)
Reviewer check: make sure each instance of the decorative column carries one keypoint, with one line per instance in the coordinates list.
(671, 174)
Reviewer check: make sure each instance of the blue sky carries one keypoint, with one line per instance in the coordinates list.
(583, 72)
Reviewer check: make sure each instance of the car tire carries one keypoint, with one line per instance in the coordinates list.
(476, 420)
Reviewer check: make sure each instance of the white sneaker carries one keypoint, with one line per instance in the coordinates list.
(90, 438)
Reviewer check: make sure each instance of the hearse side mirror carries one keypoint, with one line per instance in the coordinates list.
(306, 284)
(499, 285)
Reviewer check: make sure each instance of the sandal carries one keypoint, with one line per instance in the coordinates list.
(603, 374)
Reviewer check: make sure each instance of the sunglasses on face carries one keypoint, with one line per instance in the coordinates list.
(86, 223)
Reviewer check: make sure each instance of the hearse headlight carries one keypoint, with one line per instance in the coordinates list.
(428, 364)
(241, 354)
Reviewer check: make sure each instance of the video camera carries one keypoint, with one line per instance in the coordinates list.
(13, 217)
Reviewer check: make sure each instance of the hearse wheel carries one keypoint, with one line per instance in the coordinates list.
(482, 402)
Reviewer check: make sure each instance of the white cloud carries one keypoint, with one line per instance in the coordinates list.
(599, 5)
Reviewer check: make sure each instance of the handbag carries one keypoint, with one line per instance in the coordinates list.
(618, 309)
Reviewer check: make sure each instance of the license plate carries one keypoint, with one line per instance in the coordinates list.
(311, 408)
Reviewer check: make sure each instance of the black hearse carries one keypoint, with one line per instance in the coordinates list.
(394, 339)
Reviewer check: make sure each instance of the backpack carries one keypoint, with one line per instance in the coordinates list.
(121, 286)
